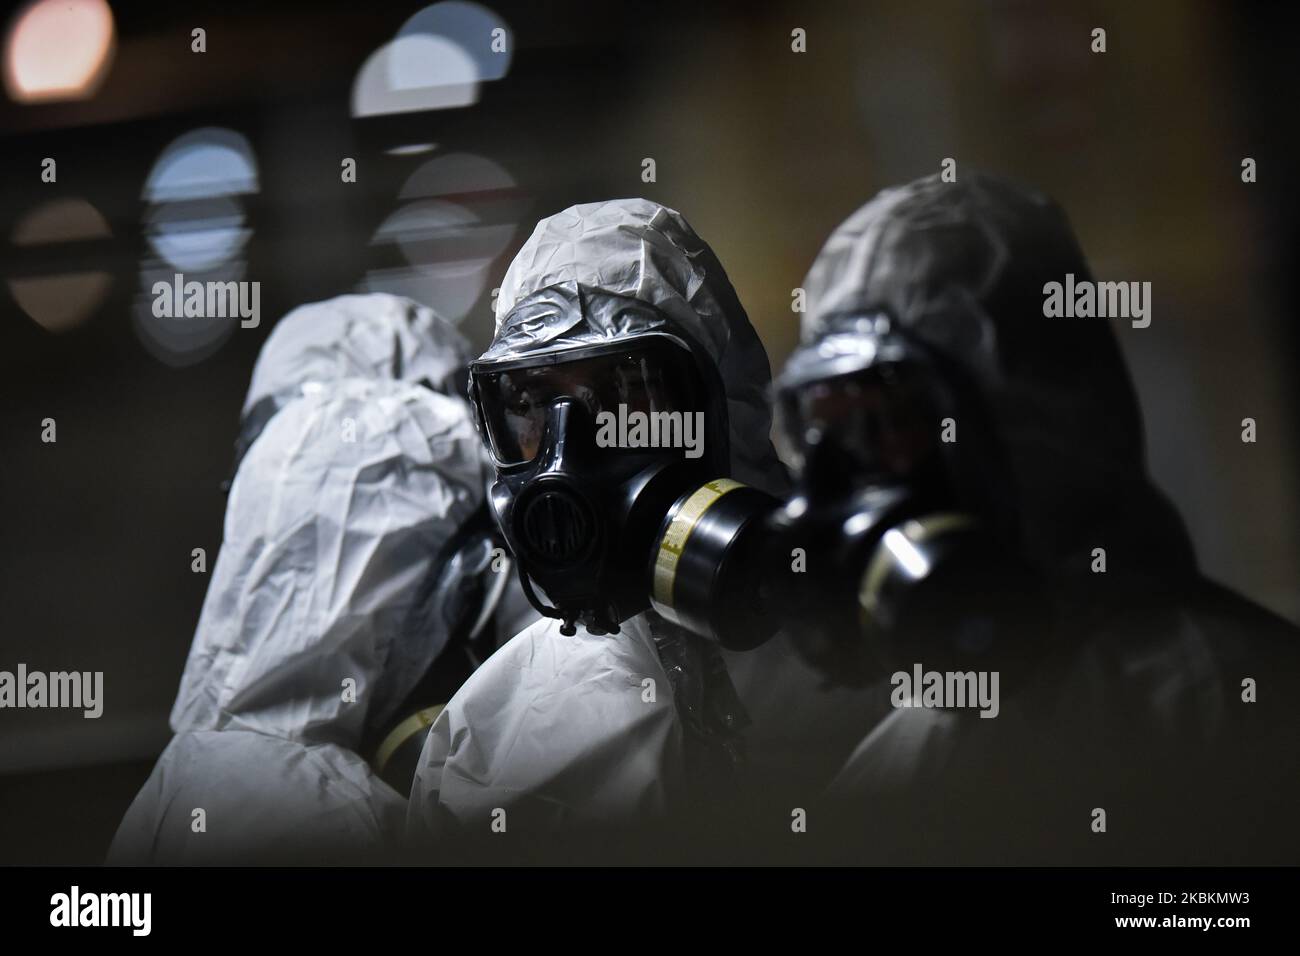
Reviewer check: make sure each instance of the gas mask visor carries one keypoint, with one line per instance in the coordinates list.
(649, 381)
(866, 392)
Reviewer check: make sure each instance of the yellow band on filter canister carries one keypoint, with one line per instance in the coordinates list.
(679, 532)
(917, 531)
(418, 721)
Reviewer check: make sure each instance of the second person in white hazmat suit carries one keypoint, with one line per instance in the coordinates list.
(327, 602)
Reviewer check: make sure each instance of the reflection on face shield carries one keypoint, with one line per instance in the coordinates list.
(652, 376)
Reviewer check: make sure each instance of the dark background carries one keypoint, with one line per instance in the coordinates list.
(762, 149)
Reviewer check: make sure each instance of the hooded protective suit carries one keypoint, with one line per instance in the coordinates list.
(593, 729)
(319, 618)
(1164, 700)
(372, 336)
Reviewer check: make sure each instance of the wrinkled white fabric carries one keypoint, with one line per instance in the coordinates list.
(265, 799)
(556, 729)
(310, 634)
(372, 336)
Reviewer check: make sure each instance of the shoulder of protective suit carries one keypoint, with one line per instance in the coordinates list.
(547, 655)
(559, 729)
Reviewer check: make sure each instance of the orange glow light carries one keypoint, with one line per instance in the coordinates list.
(58, 50)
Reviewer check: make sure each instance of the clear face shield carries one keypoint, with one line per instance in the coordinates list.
(883, 419)
(652, 376)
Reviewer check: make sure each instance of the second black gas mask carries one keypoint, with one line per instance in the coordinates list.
(911, 556)
(592, 446)
(888, 553)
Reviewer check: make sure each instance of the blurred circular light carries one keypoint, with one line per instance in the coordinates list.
(436, 61)
(471, 26)
(63, 301)
(179, 343)
(198, 236)
(448, 245)
(455, 174)
(415, 73)
(196, 217)
(206, 162)
(196, 227)
(58, 50)
(412, 149)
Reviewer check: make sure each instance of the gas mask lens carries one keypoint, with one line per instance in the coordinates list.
(883, 417)
(650, 376)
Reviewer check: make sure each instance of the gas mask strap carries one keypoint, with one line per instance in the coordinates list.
(567, 628)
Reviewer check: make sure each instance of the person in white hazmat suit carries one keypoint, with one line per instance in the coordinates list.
(605, 713)
(332, 595)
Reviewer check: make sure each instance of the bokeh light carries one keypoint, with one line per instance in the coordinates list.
(62, 301)
(58, 50)
(447, 245)
(436, 61)
(195, 225)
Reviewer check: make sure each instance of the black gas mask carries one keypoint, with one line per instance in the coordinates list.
(911, 553)
(592, 447)
(888, 553)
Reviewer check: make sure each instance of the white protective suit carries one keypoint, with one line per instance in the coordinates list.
(560, 730)
(371, 336)
(312, 634)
